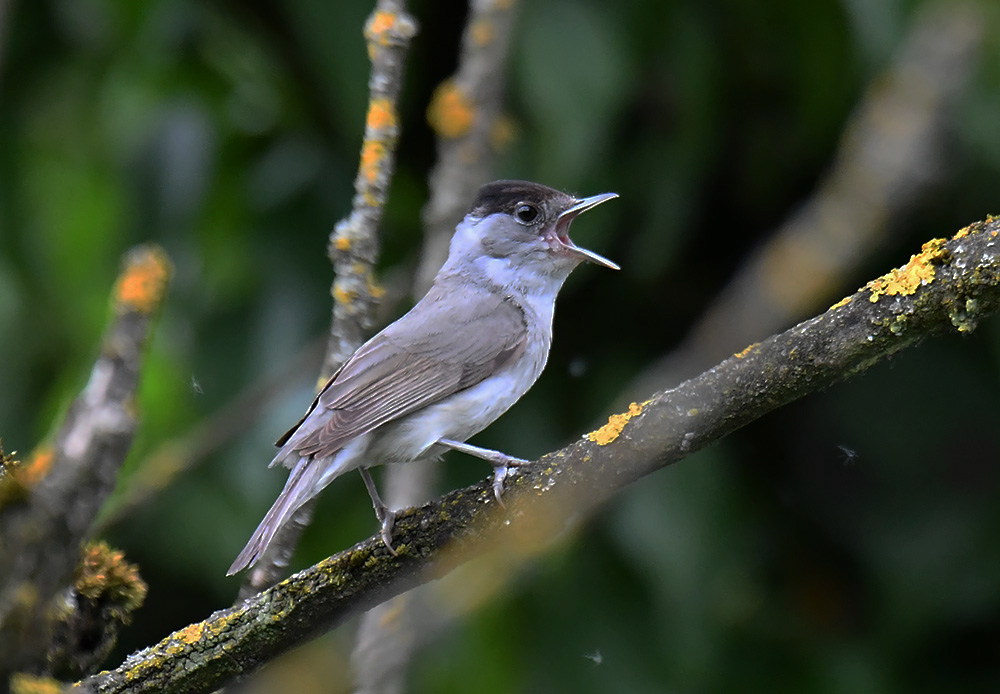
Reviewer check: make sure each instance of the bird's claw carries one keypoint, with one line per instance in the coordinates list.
(388, 519)
(500, 475)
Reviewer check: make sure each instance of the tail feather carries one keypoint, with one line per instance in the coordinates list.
(302, 485)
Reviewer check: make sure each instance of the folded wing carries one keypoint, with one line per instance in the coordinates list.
(443, 345)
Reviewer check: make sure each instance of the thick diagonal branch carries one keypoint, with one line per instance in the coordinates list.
(947, 286)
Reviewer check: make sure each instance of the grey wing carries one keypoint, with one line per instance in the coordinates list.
(440, 347)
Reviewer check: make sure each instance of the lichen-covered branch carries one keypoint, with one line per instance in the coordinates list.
(50, 503)
(354, 242)
(466, 115)
(948, 286)
(353, 246)
(890, 154)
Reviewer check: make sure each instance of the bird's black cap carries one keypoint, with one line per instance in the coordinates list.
(504, 196)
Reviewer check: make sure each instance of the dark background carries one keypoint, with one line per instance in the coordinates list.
(847, 542)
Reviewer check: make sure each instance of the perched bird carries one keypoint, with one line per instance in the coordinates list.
(466, 352)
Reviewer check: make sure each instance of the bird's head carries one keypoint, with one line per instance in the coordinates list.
(521, 229)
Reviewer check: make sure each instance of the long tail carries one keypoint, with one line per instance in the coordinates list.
(303, 483)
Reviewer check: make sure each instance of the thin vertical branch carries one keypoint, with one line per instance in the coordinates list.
(354, 242)
(353, 245)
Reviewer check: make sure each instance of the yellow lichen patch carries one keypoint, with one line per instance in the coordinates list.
(482, 32)
(342, 243)
(905, 280)
(843, 302)
(962, 233)
(381, 115)
(613, 429)
(343, 296)
(450, 113)
(746, 350)
(374, 289)
(140, 287)
(381, 24)
(372, 155)
(191, 633)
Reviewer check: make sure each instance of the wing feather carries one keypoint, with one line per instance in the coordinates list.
(440, 347)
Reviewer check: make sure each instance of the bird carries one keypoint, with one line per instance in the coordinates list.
(465, 353)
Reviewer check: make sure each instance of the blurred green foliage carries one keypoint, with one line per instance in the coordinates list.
(844, 544)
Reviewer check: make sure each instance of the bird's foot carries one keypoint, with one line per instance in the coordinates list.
(501, 462)
(385, 515)
(387, 519)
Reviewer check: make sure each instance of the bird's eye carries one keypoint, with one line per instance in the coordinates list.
(526, 213)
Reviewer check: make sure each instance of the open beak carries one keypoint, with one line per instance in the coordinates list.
(566, 218)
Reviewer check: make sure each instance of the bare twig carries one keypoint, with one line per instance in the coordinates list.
(353, 245)
(41, 538)
(354, 241)
(948, 286)
(890, 153)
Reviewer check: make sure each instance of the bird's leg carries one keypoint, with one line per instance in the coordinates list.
(386, 516)
(500, 462)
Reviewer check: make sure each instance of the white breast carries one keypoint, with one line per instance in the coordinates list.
(463, 414)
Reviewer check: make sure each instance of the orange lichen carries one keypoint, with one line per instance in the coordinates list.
(376, 291)
(342, 243)
(372, 156)
(843, 302)
(450, 113)
(380, 25)
(616, 424)
(381, 114)
(18, 479)
(482, 32)
(191, 633)
(103, 574)
(37, 467)
(141, 285)
(343, 296)
(905, 280)
(746, 350)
